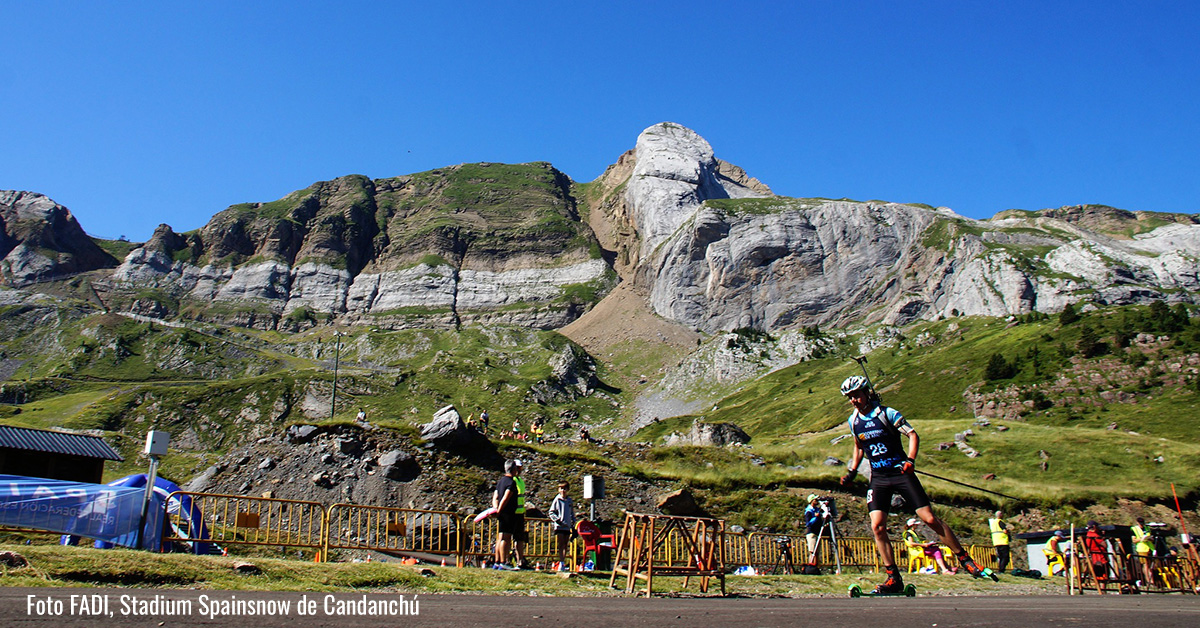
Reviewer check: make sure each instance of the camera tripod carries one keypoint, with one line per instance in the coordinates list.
(784, 558)
(828, 526)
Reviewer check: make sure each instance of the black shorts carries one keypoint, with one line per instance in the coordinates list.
(879, 495)
(513, 524)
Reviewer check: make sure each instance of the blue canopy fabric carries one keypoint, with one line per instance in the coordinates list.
(108, 513)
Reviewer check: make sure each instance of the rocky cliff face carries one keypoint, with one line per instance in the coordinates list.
(674, 173)
(718, 255)
(708, 246)
(40, 239)
(473, 243)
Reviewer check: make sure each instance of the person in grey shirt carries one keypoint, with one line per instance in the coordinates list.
(562, 516)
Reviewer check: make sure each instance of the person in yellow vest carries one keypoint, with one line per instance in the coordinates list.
(1056, 558)
(509, 501)
(1143, 546)
(521, 536)
(1000, 540)
(915, 543)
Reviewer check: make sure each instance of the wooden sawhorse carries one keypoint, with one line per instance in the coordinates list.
(663, 545)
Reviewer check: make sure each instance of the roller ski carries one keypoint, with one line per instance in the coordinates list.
(908, 590)
(973, 568)
(890, 587)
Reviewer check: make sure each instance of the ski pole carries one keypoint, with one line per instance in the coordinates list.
(967, 485)
(862, 363)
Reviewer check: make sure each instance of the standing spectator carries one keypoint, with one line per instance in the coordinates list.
(1143, 546)
(505, 500)
(1097, 549)
(812, 526)
(538, 432)
(562, 515)
(483, 421)
(1000, 540)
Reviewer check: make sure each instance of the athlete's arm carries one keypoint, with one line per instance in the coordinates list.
(914, 442)
(856, 456)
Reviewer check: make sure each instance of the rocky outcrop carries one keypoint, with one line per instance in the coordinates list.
(474, 243)
(710, 435)
(674, 172)
(40, 240)
(447, 429)
(782, 263)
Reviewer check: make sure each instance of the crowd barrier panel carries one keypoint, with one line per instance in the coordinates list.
(234, 519)
(384, 529)
(241, 520)
(479, 541)
(737, 548)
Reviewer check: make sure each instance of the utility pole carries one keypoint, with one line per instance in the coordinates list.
(337, 354)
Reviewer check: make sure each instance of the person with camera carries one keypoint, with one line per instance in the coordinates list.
(879, 433)
(813, 519)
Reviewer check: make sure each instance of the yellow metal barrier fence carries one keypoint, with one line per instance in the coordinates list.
(234, 520)
(378, 528)
(479, 541)
(737, 549)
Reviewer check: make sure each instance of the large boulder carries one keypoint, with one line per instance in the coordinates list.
(680, 503)
(710, 435)
(399, 465)
(446, 429)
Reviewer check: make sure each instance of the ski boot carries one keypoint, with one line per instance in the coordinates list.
(893, 585)
(973, 568)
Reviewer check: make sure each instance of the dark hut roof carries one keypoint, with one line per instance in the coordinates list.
(57, 443)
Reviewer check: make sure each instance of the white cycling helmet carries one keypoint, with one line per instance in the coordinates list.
(853, 383)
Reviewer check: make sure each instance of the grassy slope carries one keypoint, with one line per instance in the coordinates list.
(794, 413)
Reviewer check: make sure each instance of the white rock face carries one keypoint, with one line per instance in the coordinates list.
(318, 287)
(675, 172)
(323, 288)
(770, 271)
(799, 262)
(804, 262)
(485, 289)
(423, 286)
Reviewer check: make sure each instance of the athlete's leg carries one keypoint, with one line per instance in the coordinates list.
(883, 544)
(939, 527)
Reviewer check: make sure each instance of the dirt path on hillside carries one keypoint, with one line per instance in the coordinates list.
(625, 315)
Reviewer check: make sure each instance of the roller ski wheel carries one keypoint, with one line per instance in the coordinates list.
(909, 590)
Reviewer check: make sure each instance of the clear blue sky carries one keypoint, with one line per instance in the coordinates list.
(137, 113)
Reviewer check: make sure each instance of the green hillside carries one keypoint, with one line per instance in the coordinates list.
(1081, 408)
(1055, 377)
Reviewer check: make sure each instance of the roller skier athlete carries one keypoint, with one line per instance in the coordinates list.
(879, 433)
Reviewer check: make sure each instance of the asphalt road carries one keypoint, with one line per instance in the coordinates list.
(141, 607)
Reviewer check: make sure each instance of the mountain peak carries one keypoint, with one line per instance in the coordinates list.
(675, 172)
